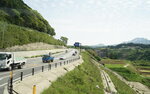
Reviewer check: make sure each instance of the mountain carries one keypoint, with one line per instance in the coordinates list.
(98, 46)
(140, 41)
(18, 13)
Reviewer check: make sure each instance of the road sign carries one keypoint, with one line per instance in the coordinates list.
(77, 44)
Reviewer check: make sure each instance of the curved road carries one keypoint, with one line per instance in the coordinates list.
(37, 64)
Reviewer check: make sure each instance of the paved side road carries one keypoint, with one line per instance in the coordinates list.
(43, 80)
(109, 87)
(108, 84)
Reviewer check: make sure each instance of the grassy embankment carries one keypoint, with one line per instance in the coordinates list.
(16, 35)
(82, 80)
(126, 70)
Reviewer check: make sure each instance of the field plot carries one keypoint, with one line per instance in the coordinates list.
(128, 71)
(144, 70)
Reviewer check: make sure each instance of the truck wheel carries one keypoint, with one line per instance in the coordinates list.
(9, 68)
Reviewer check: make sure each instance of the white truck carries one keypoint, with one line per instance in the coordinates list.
(9, 61)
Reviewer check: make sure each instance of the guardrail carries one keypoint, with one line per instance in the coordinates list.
(33, 71)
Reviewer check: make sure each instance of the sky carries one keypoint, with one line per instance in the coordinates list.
(92, 22)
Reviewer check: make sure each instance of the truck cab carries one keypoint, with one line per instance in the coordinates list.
(5, 60)
(8, 61)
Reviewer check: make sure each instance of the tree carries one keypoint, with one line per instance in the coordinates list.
(64, 39)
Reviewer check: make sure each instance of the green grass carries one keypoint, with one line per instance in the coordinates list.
(82, 80)
(129, 73)
(121, 87)
(11, 35)
(114, 65)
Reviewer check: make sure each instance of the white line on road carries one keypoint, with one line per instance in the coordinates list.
(6, 76)
(3, 84)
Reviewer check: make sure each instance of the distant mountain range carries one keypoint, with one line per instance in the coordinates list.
(134, 41)
(139, 41)
(98, 45)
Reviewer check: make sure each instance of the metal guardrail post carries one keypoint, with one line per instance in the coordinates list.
(55, 65)
(34, 89)
(49, 66)
(60, 64)
(21, 76)
(42, 68)
(11, 82)
(32, 71)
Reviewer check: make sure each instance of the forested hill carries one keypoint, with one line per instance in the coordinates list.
(18, 13)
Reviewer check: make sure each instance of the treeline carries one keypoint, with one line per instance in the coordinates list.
(129, 54)
(127, 45)
(11, 35)
(128, 51)
(18, 13)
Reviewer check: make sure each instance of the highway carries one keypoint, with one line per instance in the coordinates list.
(37, 64)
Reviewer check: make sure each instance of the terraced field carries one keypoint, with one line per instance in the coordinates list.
(128, 71)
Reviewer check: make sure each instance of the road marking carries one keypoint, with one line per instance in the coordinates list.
(6, 76)
(3, 84)
(18, 78)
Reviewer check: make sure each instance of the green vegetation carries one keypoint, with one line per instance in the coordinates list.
(121, 87)
(94, 54)
(131, 52)
(64, 39)
(129, 72)
(15, 35)
(18, 13)
(82, 80)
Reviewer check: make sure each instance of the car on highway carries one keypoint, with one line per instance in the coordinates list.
(47, 59)
(62, 58)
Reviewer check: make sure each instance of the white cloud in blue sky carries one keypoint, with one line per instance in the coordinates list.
(96, 21)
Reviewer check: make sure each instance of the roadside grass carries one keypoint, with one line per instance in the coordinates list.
(84, 79)
(129, 73)
(121, 87)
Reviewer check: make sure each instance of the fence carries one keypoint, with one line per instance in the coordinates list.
(32, 71)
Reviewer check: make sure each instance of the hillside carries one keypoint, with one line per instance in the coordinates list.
(20, 25)
(18, 13)
(16, 35)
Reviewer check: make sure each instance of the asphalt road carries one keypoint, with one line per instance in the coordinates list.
(37, 64)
